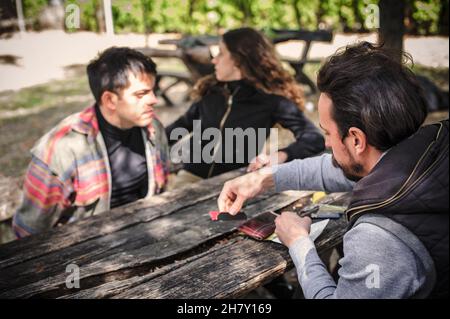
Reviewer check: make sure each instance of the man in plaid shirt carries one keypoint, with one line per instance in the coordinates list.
(110, 154)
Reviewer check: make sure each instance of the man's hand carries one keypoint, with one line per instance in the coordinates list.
(290, 227)
(237, 191)
(264, 160)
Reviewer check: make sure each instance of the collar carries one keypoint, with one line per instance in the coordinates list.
(86, 123)
(240, 89)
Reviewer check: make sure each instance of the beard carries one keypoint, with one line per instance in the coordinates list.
(352, 171)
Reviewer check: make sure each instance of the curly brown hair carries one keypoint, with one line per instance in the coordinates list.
(257, 60)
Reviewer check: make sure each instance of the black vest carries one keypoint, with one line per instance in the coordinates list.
(410, 186)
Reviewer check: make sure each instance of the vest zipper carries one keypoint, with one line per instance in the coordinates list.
(361, 209)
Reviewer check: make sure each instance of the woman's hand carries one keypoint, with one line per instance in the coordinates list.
(264, 160)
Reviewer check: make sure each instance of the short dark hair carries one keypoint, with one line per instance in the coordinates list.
(374, 92)
(109, 71)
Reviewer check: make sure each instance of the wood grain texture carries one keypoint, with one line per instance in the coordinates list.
(128, 250)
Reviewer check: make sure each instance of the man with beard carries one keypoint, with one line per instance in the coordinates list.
(371, 110)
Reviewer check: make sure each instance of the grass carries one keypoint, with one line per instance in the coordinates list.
(46, 95)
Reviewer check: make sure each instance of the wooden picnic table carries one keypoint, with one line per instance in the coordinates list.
(163, 247)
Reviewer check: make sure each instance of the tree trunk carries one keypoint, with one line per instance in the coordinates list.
(360, 27)
(298, 15)
(189, 20)
(191, 8)
(443, 18)
(320, 14)
(245, 7)
(392, 28)
(147, 8)
(100, 16)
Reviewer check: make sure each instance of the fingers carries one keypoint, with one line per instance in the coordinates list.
(237, 205)
(252, 167)
(258, 162)
(224, 202)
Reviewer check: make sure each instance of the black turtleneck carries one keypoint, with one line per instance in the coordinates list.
(127, 160)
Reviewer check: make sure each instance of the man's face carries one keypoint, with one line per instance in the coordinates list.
(342, 152)
(135, 104)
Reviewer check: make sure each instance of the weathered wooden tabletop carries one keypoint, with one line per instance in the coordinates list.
(165, 247)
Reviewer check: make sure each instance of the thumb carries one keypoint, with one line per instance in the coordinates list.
(237, 205)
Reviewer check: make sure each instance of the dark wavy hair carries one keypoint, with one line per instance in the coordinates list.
(109, 71)
(373, 91)
(257, 60)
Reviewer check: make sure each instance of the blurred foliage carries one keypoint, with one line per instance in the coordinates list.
(32, 9)
(424, 13)
(211, 16)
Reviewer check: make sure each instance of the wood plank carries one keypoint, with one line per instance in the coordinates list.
(18, 251)
(267, 260)
(331, 237)
(116, 285)
(252, 264)
(148, 244)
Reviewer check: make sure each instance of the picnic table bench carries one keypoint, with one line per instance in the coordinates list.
(163, 247)
(194, 53)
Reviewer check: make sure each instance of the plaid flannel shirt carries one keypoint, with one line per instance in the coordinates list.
(69, 174)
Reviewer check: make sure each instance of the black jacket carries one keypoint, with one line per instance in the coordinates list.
(250, 108)
(410, 186)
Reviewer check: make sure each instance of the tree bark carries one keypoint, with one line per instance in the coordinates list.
(298, 15)
(189, 19)
(245, 7)
(360, 27)
(443, 18)
(392, 28)
(100, 16)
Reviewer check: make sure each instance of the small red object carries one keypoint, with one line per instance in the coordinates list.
(214, 215)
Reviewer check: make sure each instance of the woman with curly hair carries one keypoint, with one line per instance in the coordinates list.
(249, 89)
